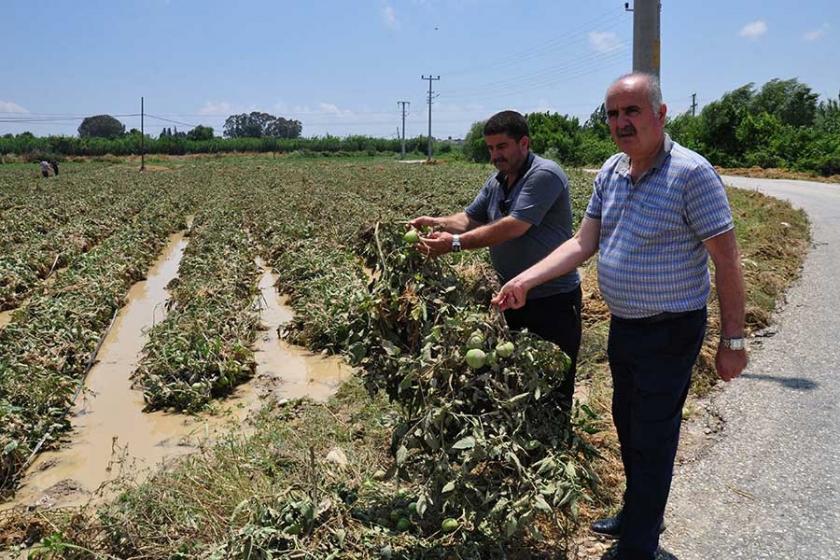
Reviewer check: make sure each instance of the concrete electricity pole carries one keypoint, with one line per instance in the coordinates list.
(645, 35)
(142, 136)
(430, 78)
(404, 104)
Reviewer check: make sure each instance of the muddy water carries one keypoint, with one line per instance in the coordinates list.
(5, 317)
(110, 429)
(283, 370)
(109, 424)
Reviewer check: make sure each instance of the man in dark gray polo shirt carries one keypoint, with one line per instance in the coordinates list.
(522, 213)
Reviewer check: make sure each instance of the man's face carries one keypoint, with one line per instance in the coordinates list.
(635, 128)
(506, 153)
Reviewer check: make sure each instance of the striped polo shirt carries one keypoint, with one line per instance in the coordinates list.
(651, 254)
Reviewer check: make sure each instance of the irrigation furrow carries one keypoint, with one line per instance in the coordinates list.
(46, 351)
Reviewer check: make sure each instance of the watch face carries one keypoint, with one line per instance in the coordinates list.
(736, 343)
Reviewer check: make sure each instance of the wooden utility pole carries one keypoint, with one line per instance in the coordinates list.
(404, 104)
(430, 78)
(693, 104)
(142, 136)
(646, 38)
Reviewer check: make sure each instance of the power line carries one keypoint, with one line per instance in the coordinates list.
(548, 47)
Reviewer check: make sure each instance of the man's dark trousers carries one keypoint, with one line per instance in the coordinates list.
(651, 362)
(555, 318)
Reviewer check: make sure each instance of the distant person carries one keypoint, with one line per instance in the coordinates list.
(656, 213)
(522, 213)
(45, 168)
(54, 165)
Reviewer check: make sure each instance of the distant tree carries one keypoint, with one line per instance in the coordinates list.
(828, 115)
(283, 128)
(597, 123)
(721, 120)
(101, 126)
(201, 133)
(257, 125)
(474, 147)
(559, 134)
(790, 101)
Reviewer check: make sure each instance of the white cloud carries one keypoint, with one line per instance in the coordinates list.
(816, 34)
(389, 16)
(332, 109)
(216, 108)
(11, 107)
(754, 29)
(604, 42)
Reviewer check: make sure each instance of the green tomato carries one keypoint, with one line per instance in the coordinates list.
(403, 524)
(449, 525)
(505, 349)
(476, 358)
(476, 340)
(411, 236)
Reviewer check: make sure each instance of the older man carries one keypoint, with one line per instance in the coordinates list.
(522, 213)
(656, 213)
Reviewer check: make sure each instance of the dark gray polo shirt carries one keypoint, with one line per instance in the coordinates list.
(541, 198)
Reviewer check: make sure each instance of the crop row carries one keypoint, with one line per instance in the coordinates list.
(46, 349)
(406, 323)
(23, 265)
(202, 350)
(31, 208)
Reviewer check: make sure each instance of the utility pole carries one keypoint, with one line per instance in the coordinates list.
(404, 104)
(430, 78)
(142, 137)
(693, 104)
(645, 35)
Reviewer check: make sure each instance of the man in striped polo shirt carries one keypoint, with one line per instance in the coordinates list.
(656, 213)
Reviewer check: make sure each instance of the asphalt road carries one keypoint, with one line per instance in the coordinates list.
(770, 487)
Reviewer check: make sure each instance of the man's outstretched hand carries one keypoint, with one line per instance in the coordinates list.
(511, 296)
(423, 221)
(436, 243)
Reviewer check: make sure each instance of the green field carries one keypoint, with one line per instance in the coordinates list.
(331, 230)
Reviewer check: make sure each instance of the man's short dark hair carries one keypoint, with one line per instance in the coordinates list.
(507, 122)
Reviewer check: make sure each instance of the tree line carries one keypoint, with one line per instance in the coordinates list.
(782, 124)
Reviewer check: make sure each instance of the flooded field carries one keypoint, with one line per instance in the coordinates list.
(111, 431)
(285, 371)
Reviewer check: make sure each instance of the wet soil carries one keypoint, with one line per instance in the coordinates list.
(109, 425)
(285, 371)
(111, 433)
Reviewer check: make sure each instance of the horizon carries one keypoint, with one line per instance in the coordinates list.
(340, 69)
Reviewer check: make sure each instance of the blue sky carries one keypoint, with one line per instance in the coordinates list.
(341, 66)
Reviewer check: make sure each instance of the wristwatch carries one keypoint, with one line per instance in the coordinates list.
(456, 243)
(734, 343)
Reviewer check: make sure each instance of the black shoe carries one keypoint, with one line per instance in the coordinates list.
(607, 527)
(611, 526)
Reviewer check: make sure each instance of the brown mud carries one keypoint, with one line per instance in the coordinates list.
(285, 371)
(111, 433)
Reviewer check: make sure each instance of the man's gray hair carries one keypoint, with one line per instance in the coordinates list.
(653, 87)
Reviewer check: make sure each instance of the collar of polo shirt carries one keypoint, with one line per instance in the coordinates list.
(526, 165)
(623, 166)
